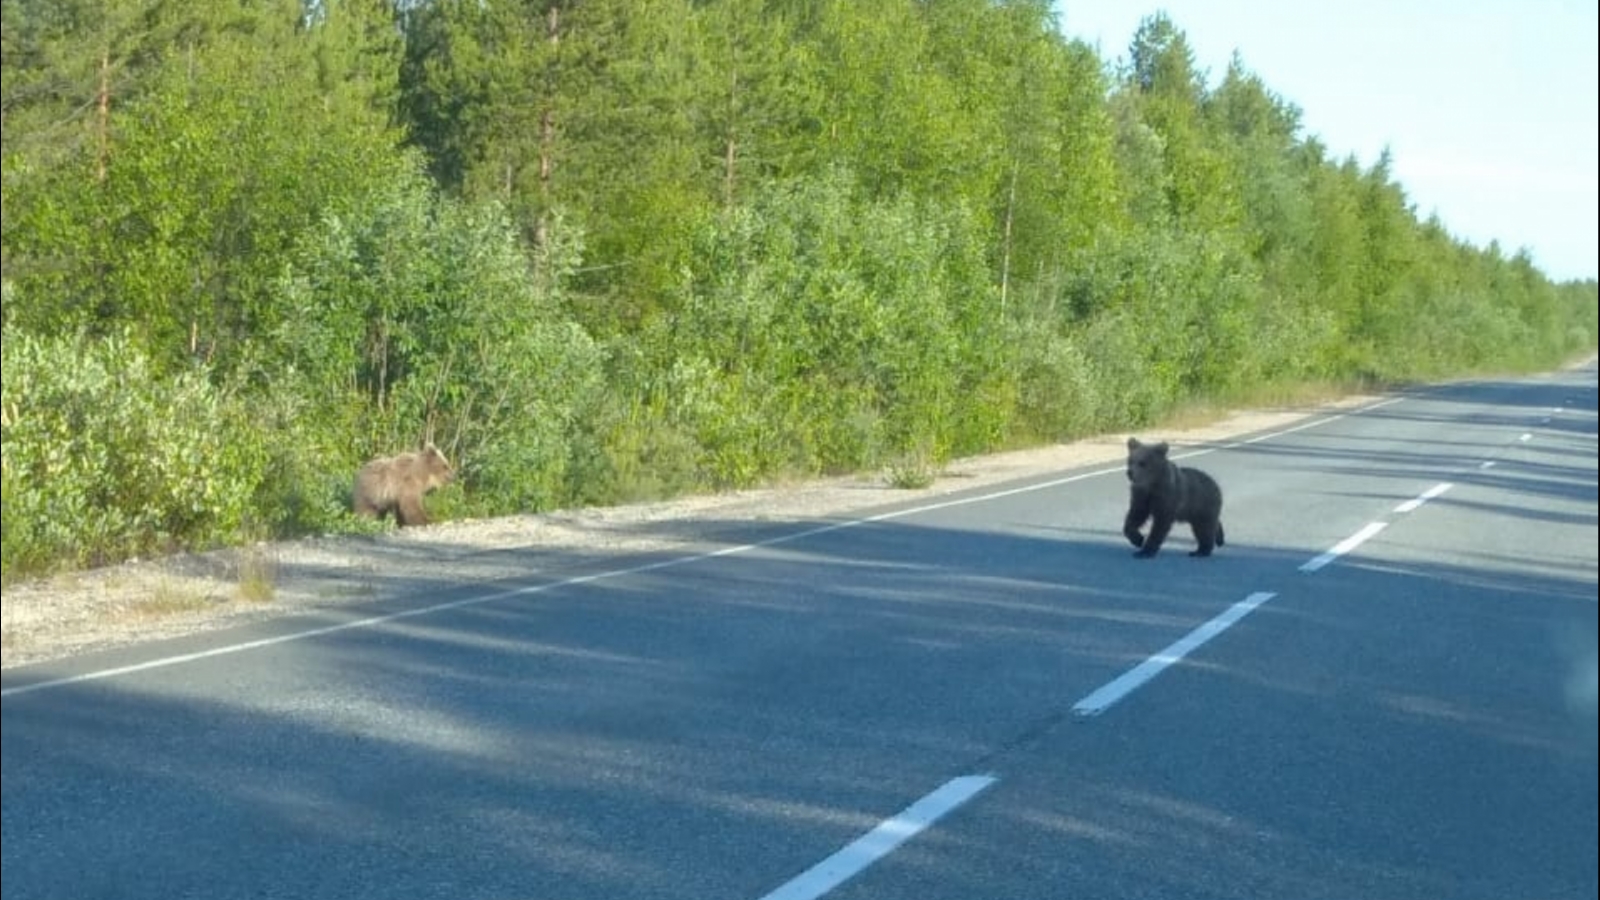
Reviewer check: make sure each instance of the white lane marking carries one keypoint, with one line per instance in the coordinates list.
(1486, 464)
(880, 841)
(528, 590)
(1426, 495)
(1105, 696)
(1344, 546)
(1525, 438)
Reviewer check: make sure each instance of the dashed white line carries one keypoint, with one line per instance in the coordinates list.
(1107, 695)
(1344, 546)
(1427, 495)
(881, 841)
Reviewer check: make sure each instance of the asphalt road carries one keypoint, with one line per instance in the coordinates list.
(984, 697)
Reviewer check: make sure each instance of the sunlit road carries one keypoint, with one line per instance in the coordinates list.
(1382, 687)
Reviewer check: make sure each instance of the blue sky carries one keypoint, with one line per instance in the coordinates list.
(1487, 106)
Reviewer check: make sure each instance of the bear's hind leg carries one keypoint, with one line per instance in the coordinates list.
(1207, 533)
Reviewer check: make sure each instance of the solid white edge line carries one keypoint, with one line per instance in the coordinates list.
(1108, 694)
(880, 841)
(370, 621)
(1344, 546)
(1412, 504)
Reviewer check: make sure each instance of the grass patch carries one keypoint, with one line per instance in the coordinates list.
(1193, 414)
(1197, 412)
(258, 575)
(170, 598)
(1308, 393)
(913, 471)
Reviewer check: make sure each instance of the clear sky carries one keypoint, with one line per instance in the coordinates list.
(1487, 106)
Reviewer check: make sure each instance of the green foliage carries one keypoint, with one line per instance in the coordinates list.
(913, 470)
(105, 458)
(1059, 394)
(428, 317)
(821, 332)
(173, 209)
(640, 455)
(546, 109)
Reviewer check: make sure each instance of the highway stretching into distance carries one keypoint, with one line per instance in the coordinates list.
(1383, 686)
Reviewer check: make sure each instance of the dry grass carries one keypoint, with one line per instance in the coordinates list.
(258, 575)
(913, 471)
(1299, 396)
(169, 597)
(1195, 414)
(1202, 412)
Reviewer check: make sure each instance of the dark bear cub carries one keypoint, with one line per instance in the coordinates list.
(1165, 492)
(396, 484)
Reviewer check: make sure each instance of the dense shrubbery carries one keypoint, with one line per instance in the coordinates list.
(422, 317)
(105, 458)
(821, 330)
(696, 248)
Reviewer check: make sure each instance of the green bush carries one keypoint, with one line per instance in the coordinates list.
(103, 459)
(425, 318)
(1059, 396)
(823, 329)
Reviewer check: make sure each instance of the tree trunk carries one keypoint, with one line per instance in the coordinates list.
(104, 118)
(1005, 264)
(731, 156)
(547, 129)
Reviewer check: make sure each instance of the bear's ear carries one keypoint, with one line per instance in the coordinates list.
(1159, 449)
(1133, 443)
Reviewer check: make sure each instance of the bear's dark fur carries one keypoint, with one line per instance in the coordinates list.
(1165, 492)
(396, 484)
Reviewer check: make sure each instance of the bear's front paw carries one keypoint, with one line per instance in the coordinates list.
(1135, 538)
(1144, 553)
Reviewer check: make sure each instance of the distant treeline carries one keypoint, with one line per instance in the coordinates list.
(619, 249)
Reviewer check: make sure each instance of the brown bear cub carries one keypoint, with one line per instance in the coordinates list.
(1166, 492)
(396, 485)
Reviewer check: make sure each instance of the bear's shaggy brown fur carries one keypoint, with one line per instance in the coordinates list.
(1165, 492)
(396, 484)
